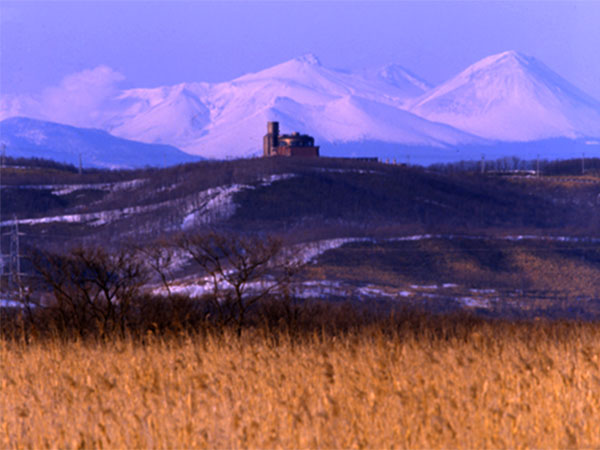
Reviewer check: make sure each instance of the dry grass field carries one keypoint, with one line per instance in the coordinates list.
(416, 384)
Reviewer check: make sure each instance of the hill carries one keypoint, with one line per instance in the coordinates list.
(305, 199)
(24, 137)
(449, 238)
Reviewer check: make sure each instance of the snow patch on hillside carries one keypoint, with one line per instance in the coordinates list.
(65, 189)
(216, 204)
(208, 206)
(309, 251)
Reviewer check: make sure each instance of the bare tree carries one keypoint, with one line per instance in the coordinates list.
(159, 256)
(242, 270)
(92, 289)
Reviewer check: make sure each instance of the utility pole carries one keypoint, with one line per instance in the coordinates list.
(537, 166)
(3, 155)
(80, 165)
(582, 163)
(14, 258)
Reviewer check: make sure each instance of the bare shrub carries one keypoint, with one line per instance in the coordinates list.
(159, 258)
(242, 270)
(92, 290)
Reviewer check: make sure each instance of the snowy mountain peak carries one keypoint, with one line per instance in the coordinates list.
(511, 64)
(512, 97)
(309, 58)
(398, 76)
(308, 65)
(509, 56)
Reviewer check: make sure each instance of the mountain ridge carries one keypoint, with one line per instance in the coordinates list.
(500, 100)
(26, 137)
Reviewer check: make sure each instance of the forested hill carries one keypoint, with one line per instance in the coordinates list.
(303, 199)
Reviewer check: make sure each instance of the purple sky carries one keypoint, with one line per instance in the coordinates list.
(159, 43)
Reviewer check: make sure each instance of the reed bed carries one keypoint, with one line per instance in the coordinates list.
(435, 383)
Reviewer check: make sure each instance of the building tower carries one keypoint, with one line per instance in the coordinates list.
(294, 144)
(271, 139)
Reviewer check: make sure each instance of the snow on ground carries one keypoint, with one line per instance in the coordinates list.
(118, 186)
(358, 171)
(530, 237)
(552, 238)
(203, 207)
(376, 292)
(8, 303)
(65, 189)
(416, 237)
(474, 302)
(327, 289)
(270, 179)
(309, 251)
(321, 289)
(215, 204)
(483, 291)
(206, 286)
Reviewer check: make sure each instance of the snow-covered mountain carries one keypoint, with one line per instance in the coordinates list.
(24, 137)
(512, 97)
(491, 108)
(229, 119)
(398, 76)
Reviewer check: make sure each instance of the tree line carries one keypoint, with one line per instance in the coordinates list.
(88, 291)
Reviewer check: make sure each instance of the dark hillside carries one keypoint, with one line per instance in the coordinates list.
(493, 276)
(305, 199)
(411, 196)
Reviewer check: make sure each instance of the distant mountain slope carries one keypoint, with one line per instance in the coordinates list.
(229, 119)
(392, 84)
(490, 109)
(24, 137)
(512, 97)
(507, 98)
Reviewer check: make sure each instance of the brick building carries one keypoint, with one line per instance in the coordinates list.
(294, 144)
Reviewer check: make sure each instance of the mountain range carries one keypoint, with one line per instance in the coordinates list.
(506, 104)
